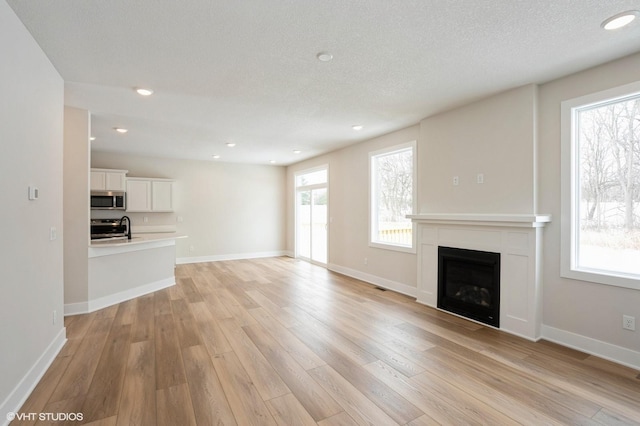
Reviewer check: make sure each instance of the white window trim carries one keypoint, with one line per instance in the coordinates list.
(569, 176)
(394, 247)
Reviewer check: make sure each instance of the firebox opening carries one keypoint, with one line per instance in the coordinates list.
(469, 284)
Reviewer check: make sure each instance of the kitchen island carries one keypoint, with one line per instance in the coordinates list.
(121, 270)
(137, 242)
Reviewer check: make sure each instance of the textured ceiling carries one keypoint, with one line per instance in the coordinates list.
(246, 71)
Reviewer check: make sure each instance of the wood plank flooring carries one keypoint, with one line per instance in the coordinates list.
(282, 342)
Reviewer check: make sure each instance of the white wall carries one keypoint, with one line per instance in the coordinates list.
(586, 309)
(76, 204)
(513, 138)
(349, 208)
(31, 116)
(228, 210)
(495, 137)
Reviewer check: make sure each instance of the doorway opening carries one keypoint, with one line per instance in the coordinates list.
(312, 202)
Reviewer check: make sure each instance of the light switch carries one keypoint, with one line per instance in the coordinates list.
(53, 234)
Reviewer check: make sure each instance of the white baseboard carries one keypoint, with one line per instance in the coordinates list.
(618, 354)
(239, 256)
(103, 302)
(375, 280)
(76, 308)
(23, 389)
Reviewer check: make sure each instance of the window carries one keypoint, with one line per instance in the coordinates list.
(313, 177)
(601, 187)
(392, 197)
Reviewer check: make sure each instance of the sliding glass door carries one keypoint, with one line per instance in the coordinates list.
(311, 215)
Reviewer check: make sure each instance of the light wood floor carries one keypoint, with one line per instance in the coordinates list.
(279, 341)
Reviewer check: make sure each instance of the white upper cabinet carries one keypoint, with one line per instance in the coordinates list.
(108, 180)
(149, 195)
(98, 182)
(161, 196)
(115, 181)
(138, 195)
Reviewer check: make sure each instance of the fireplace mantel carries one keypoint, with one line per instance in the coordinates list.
(518, 239)
(482, 219)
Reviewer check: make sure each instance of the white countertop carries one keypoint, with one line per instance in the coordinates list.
(137, 242)
(137, 239)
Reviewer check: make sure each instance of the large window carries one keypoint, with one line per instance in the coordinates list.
(392, 197)
(601, 167)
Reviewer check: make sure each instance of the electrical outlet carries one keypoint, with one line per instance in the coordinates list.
(629, 322)
(34, 193)
(55, 317)
(456, 181)
(366, 261)
(480, 178)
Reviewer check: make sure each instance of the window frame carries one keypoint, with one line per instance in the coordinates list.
(570, 185)
(298, 173)
(411, 145)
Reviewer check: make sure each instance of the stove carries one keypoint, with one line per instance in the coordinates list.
(108, 229)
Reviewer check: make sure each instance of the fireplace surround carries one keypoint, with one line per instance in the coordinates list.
(518, 240)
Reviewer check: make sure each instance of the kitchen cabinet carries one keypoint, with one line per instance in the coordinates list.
(149, 195)
(108, 180)
(138, 195)
(161, 196)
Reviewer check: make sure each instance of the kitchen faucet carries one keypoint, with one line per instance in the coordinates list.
(128, 225)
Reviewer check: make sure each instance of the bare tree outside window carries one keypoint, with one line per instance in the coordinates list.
(392, 197)
(608, 162)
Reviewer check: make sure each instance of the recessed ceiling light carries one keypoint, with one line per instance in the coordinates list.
(324, 56)
(92, 138)
(272, 161)
(216, 156)
(357, 127)
(620, 20)
(144, 92)
(231, 144)
(120, 130)
(296, 151)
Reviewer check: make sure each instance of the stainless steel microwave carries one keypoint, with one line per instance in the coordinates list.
(108, 200)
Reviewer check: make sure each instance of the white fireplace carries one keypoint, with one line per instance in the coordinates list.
(518, 239)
